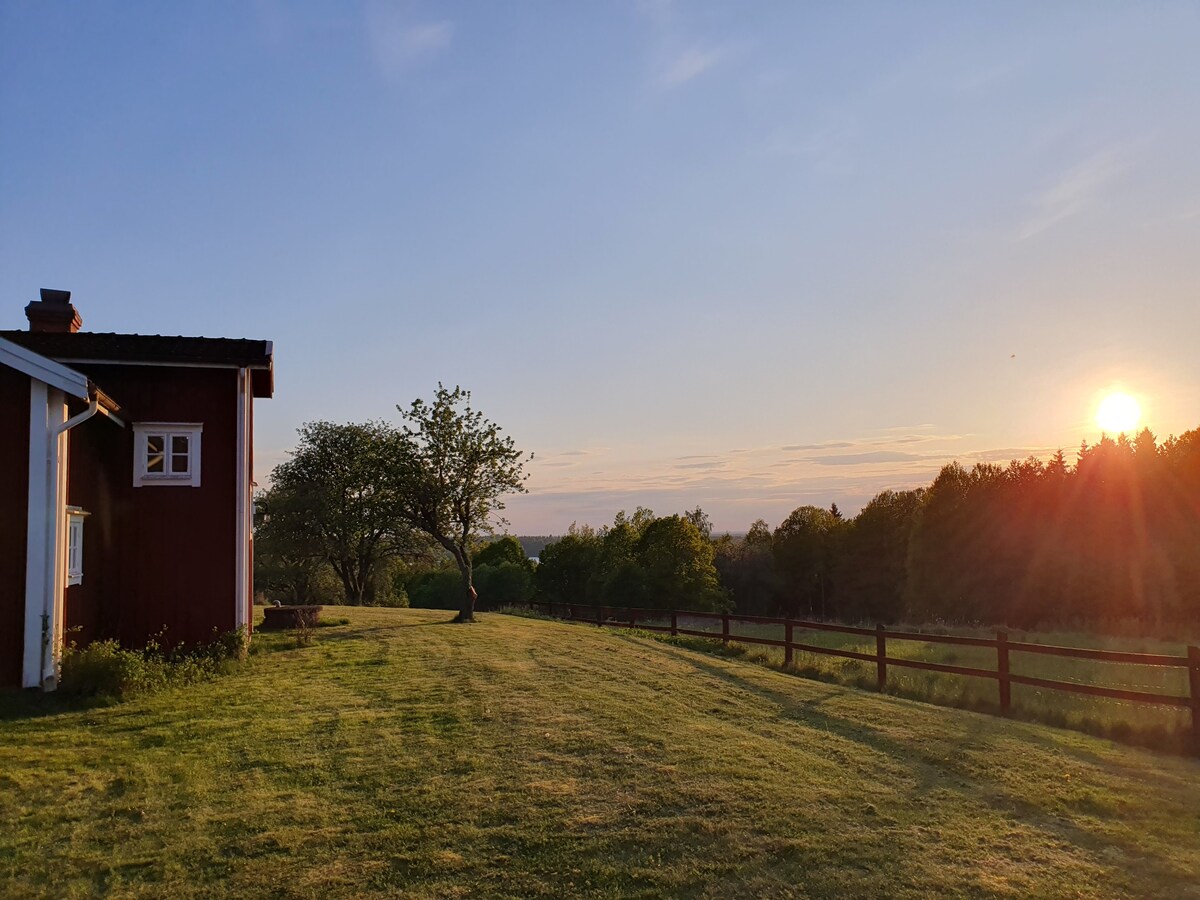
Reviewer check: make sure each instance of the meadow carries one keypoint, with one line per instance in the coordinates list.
(403, 755)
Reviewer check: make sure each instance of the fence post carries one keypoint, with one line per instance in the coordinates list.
(724, 628)
(881, 657)
(633, 618)
(599, 616)
(674, 623)
(1194, 685)
(787, 643)
(1002, 669)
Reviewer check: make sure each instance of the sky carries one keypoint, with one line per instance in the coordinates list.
(747, 256)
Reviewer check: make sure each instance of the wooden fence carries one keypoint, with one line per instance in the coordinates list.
(648, 619)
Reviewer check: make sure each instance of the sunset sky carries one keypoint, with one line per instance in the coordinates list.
(742, 255)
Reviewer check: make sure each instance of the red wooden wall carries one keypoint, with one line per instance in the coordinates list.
(157, 556)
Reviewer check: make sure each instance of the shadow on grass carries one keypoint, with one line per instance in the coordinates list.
(934, 769)
(1158, 738)
(31, 703)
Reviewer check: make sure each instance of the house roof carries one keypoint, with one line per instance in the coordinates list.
(154, 349)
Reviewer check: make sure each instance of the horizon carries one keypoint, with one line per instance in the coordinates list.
(687, 254)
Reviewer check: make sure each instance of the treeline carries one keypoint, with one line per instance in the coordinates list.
(1114, 537)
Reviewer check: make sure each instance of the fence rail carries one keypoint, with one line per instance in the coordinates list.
(650, 619)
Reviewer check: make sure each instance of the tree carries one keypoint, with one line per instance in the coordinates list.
(871, 567)
(678, 564)
(454, 467)
(567, 566)
(747, 569)
(506, 549)
(338, 497)
(803, 548)
(700, 519)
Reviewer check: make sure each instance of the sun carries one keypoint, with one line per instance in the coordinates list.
(1118, 413)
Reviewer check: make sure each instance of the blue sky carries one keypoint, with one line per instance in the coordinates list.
(747, 256)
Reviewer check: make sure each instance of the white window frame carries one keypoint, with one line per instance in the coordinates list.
(168, 431)
(75, 517)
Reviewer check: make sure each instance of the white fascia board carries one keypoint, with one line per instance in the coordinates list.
(42, 369)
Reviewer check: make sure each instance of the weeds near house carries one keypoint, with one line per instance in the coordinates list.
(304, 626)
(106, 670)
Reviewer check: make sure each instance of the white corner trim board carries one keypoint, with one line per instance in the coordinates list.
(46, 523)
(241, 590)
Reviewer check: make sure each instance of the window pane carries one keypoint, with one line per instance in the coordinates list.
(155, 445)
(179, 443)
(179, 463)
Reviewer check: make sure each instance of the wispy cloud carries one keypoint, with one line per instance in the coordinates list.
(596, 482)
(691, 63)
(829, 148)
(680, 53)
(1074, 191)
(400, 42)
(826, 445)
(873, 456)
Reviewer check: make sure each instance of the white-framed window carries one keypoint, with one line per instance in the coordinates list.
(166, 453)
(75, 517)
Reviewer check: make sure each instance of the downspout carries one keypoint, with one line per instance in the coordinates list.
(93, 408)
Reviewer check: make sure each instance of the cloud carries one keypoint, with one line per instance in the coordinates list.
(827, 445)
(690, 63)
(859, 459)
(399, 43)
(1078, 187)
(1007, 454)
(702, 465)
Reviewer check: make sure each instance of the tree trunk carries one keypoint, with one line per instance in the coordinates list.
(466, 612)
(352, 585)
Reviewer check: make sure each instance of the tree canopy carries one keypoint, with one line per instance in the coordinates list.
(454, 466)
(336, 499)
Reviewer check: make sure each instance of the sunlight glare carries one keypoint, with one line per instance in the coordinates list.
(1118, 413)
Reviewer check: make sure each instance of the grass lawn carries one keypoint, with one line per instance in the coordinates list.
(1161, 727)
(521, 757)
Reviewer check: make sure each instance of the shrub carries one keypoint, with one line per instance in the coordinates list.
(106, 669)
(440, 589)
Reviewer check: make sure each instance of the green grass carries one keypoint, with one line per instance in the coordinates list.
(519, 757)
(1160, 727)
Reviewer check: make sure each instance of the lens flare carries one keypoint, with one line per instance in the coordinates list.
(1118, 413)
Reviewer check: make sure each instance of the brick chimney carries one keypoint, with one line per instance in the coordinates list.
(54, 312)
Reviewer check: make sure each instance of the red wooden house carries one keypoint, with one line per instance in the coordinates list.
(126, 466)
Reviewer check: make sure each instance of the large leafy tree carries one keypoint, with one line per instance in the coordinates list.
(567, 566)
(289, 558)
(337, 497)
(678, 564)
(454, 467)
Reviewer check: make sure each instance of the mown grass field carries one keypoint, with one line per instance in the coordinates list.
(401, 755)
(1161, 727)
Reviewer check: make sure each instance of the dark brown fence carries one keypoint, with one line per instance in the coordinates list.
(649, 619)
